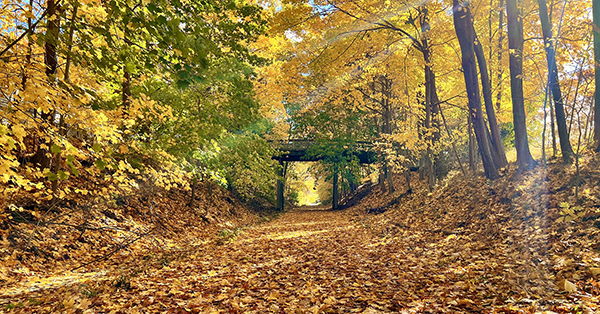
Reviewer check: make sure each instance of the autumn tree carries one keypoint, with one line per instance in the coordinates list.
(554, 85)
(515, 44)
(596, 31)
(183, 62)
(466, 37)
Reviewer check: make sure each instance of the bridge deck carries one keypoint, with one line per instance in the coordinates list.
(297, 150)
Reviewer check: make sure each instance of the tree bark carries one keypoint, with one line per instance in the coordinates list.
(431, 99)
(500, 68)
(596, 14)
(515, 45)
(472, 157)
(51, 62)
(496, 138)
(51, 39)
(336, 196)
(281, 187)
(382, 178)
(126, 85)
(466, 38)
(565, 144)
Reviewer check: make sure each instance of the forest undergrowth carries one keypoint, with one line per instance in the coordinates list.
(519, 244)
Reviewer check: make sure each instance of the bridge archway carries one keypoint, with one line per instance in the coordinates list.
(299, 151)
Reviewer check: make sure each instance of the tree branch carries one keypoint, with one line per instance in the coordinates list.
(29, 30)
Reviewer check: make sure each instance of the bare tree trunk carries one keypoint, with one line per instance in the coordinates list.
(407, 178)
(596, 14)
(472, 156)
(390, 178)
(70, 43)
(51, 61)
(565, 144)
(466, 38)
(500, 48)
(553, 129)
(51, 39)
(515, 44)
(496, 138)
(29, 47)
(336, 195)
(431, 98)
(126, 85)
(573, 107)
(382, 176)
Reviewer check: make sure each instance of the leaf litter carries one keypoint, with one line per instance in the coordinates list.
(470, 246)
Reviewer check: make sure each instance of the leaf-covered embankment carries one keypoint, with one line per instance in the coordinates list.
(72, 238)
(522, 241)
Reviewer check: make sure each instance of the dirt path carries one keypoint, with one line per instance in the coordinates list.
(306, 261)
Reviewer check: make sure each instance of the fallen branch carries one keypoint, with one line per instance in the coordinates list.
(118, 248)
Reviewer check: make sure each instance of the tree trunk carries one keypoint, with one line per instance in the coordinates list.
(472, 157)
(552, 129)
(336, 196)
(565, 144)
(500, 39)
(51, 39)
(596, 14)
(390, 178)
(431, 99)
(386, 89)
(193, 193)
(407, 176)
(382, 178)
(496, 138)
(515, 45)
(126, 85)
(29, 47)
(70, 43)
(280, 187)
(51, 61)
(466, 38)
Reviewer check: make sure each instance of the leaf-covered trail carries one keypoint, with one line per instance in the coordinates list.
(317, 261)
(309, 261)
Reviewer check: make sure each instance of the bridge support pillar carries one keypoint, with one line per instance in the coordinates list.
(280, 188)
(336, 193)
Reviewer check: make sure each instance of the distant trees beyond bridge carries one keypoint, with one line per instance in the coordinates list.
(309, 150)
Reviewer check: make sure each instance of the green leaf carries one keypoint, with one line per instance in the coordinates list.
(70, 158)
(97, 148)
(129, 67)
(100, 164)
(74, 170)
(52, 176)
(198, 79)
(63, 175)
(55, 149)
(152, 8)
(184, 75)
(183, 84)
